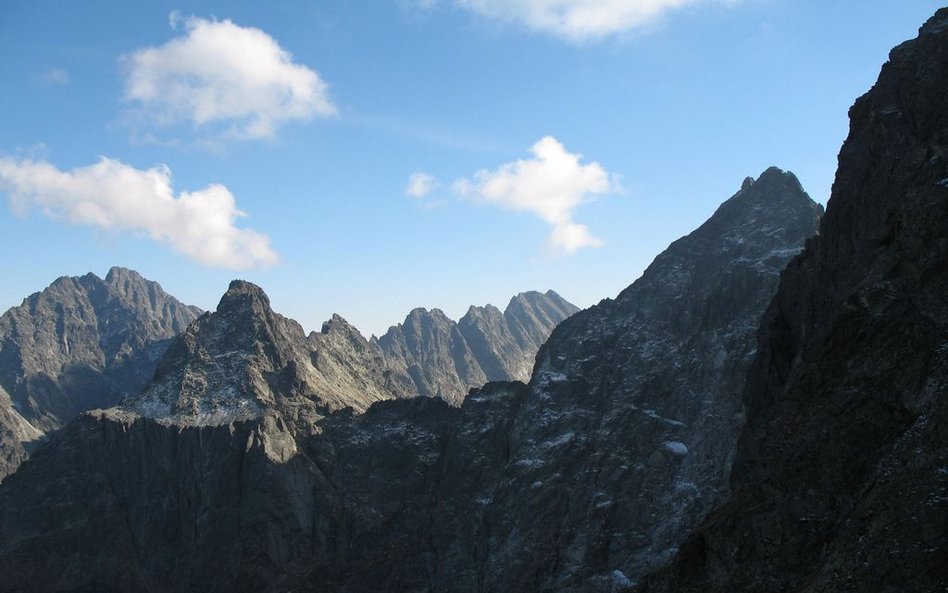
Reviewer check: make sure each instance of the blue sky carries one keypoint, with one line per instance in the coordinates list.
(548, 149)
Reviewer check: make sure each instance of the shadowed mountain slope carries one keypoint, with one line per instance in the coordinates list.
(238, 470)
(841, 479)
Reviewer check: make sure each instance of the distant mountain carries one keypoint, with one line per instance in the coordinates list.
(841, 477)
(267, 481)
(244, 359)
(82, 343)
(86, 343)
(447, 359)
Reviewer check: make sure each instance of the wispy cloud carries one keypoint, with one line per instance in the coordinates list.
(550, 185)
(55, 77)
(576, 20)
(114, 196)
(224, 79)
(420, 184)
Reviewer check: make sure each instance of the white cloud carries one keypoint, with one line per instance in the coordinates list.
(550, 185)
(225, 78)
(114, 196)
(55, 77)
(420, 184)
(577, 19)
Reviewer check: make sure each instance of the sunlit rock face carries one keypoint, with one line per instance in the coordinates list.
(245, 359)
(447, 359)
(82, 343)
(841, 477)
(245, 466)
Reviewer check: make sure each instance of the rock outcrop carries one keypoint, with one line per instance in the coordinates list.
(841, 479)
(447, 359)
(82, 343)
(238, 470)
(244, 358)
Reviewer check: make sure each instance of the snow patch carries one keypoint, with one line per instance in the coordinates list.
(675, 447)
(620, 580)
(560, 440)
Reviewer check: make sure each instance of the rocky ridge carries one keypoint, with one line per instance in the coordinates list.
(622, 441)
(841, 477)
(82, 343)
(580, 480)
(244, 358)
(447, 359)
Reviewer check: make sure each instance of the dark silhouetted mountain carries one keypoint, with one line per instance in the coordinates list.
(82, 343)
(447, 359)
(239, 469)
(841, 478)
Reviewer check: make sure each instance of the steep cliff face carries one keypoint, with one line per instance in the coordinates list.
(841, 480)
(82, 343)
(447, 359)
(623, 439)
(580, 480)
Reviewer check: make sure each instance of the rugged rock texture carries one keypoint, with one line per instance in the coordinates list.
(841, 480)
(447, 359)
(624, 437)
(506, 344)
(237, 470)
(82, 343)
(244, 358)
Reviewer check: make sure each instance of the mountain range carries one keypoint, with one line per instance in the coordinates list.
(762, 410)
(86, 343)
(241, 467)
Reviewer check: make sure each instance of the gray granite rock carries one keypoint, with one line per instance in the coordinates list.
(82, 343)
(243, 468)
(447, 359)
(841, 477)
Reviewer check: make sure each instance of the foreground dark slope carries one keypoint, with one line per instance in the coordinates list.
(83, 343)
(841, 482)
(226, 475)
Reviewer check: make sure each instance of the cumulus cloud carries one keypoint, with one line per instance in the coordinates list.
(550, 185)
(223, 77)
(420, 184)
(114, 196)
(577, 19)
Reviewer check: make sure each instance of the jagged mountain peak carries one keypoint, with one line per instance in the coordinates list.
(447, 359)
(338, 324)
(241, 295)
(244, 360)
(118, 274)
(757, 224)
(765, 198)
(79, 344)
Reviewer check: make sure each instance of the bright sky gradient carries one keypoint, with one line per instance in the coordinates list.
(366, 158)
